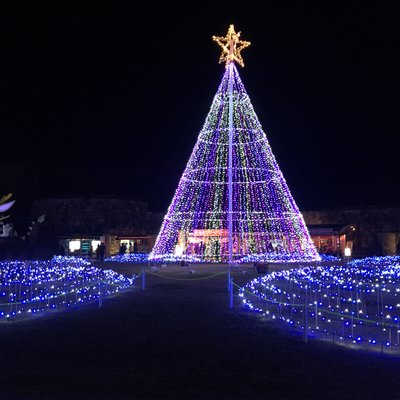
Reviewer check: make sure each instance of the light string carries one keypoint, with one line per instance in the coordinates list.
(267, 224)
(359, 301)
(136, 258)
(28, 287)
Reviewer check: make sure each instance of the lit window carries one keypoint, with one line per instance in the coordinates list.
(74, 245)
(95, 243)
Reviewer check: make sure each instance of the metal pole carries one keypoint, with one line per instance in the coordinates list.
(316, 314)
(100, 298)
(377, 303)
(352, 323)
(306, 318)
(230, 162)
(231, 294)
(229, 278)
(357, 308)
(144, 279)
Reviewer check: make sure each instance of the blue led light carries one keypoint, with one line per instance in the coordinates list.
(33, 286)
(136, 258)
(357, 299)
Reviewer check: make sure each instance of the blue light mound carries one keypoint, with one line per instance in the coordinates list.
(357, 303)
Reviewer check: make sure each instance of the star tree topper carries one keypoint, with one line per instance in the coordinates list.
(231, 46)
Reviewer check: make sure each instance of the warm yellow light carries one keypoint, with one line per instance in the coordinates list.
(178, 250)
(347, 251)
(231, 46)
(94, 244)
(74, 245)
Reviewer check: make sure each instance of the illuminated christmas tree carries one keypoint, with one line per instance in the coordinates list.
(232, 201)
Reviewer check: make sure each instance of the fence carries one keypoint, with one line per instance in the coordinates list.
(315, 321)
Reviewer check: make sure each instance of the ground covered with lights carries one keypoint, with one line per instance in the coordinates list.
(29, 287)
(356, 304)
(178, 339)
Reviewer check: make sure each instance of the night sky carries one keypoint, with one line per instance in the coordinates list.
(110, 101)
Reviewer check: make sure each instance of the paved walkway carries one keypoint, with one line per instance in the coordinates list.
(178, 339)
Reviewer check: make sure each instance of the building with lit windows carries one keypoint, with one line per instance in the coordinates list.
(80, 223)
(77, 226)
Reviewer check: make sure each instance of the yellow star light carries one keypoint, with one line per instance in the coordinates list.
(231, 46)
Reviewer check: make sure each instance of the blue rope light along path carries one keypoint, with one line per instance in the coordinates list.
(357, 303)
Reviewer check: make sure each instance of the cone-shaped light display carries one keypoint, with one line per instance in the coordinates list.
(266, 223)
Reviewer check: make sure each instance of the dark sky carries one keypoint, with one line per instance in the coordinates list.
(109, 102)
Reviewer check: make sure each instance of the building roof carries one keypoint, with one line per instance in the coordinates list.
(327, 229)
